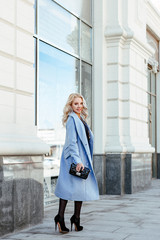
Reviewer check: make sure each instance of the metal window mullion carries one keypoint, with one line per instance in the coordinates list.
(37, 63)
(37, 82)
(57, 47)
(73, 14)
(80, 53)
(37, 18)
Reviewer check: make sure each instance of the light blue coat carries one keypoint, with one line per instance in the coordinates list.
(76, 149)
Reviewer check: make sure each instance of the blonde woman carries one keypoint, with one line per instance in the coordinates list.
(78, 149)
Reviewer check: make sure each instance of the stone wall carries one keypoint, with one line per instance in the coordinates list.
(21, 192)
(123, 173)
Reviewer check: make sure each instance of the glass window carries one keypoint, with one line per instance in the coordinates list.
(58, 26)
(63, 49)
(154, 44)
(35, 16)
(86, 42)
(86, 87)
(35, 74)
(58, 77)
(153, 84)
(81, 8)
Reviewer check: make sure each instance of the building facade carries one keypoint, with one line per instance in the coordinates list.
(108, 51)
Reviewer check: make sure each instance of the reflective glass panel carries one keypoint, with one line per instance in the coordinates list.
(86, 42)
(58, 26)
(35, 16)
(82, 8)
(153, 83)
(58, 77)
(86, 88)
(149, 81)
(35, 77)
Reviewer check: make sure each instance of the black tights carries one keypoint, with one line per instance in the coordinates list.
(63, 204)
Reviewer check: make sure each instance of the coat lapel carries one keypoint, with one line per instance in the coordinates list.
(82, 135)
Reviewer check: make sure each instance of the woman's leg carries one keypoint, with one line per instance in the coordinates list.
(59, 218)
(75, 219)
(62, 207)
(77, 208)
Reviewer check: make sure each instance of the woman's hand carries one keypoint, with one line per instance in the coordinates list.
(79, 167)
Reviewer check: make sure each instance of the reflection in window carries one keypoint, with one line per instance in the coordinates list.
(86, 87)
(58, 26)
(82, 8)
(58, 77)
(86, 42)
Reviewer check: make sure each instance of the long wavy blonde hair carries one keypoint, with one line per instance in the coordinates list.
(68, 107)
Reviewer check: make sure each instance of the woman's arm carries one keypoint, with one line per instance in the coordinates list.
(71, 141)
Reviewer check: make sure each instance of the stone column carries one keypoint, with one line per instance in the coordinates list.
(99, 91)
(127, 148)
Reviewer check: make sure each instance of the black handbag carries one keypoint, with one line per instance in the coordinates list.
(82, 174)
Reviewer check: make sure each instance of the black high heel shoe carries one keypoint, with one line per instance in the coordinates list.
(76, 222)
(61, 224)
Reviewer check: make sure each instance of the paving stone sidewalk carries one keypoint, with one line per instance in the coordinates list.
(128, 217)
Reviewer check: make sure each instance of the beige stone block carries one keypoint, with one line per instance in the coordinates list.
(124, 91)
(112, 127)
(25, 16)
(112, 73)
(7, 72)
(133, 128)
(113, 108)
(24, 116)
(132, 92)
(124, 109)
(113, 54)
(112, 90)
(25, 46)
(25, 77)
(125, 74)
(7, 10)
(30, 1)
(7, 38)
(6, 98)
(7, 114)
(25, 102)
(133, 109)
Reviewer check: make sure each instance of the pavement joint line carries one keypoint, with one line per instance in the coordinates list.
(116, 229)
(129, 235)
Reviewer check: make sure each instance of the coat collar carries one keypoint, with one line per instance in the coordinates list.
(82, 135)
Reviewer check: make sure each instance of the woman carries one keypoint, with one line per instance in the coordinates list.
(78, 149)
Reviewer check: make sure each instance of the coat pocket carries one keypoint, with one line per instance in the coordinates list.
(67, 153)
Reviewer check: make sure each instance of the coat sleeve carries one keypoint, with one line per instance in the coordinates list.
(71, 140)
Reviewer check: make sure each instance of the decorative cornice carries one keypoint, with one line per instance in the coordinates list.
(126, 36)
(154, 64)
(20, 140)
(118, 31)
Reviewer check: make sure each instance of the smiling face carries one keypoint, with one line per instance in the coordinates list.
(77, 105)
